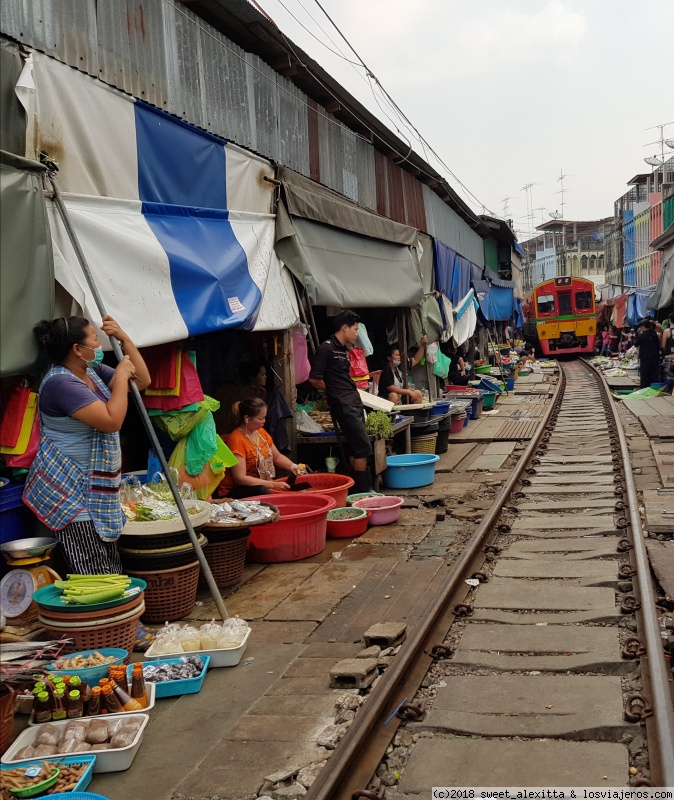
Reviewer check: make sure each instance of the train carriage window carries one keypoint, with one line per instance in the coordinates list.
(546, 303)
(564, 302)
(583, 300)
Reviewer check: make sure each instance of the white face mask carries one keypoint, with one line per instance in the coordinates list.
(395, 363)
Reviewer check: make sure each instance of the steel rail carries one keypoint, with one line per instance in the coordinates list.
(663, 712)
(332, 781)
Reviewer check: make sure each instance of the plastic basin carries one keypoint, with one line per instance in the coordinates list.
(440, 408)
(182, 685)
(351, 499)
(299, 533)
(410, 471)
(87, 760)
(383, 510)
(457, 423)
(510, 384)
(347, 527)
(328, 483)
(92, 675)
(489, 399)
(490, 386)
(483, 370)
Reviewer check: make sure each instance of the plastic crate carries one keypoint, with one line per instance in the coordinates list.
(17, 521)
(180, 687)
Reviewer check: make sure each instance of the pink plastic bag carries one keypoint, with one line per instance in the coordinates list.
(302, 365)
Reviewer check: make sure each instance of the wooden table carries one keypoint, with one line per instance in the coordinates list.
(378, 463)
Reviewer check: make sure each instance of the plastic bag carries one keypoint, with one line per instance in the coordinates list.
(306, 424)
(441, 365)
(179, 425)
(203, 484)
(201, 445)
(302, 365)
(97, 732)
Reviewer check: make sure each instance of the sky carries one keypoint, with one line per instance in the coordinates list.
(509, 92)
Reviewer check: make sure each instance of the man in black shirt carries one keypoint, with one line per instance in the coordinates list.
(330, 373)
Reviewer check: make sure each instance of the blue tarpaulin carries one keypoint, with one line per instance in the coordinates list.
(519, 316)
(496, 302)
(452, 272)
(636, 306)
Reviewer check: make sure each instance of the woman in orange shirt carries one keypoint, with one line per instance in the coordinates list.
(256, 454)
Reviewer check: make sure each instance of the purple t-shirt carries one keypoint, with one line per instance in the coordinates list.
(63, 395)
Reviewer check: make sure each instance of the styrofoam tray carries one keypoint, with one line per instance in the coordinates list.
(182, 685)
(106, 760)
(222, 657)
(78, 758)
(150, 695)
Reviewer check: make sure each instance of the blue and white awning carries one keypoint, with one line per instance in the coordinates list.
(175, 223)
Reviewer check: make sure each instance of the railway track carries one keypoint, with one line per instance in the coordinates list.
(546, 668)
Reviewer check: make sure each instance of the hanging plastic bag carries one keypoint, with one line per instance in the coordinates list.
(24, 460)
(441, 365)
(359, 370)
(12, 417)
(26, 429)
(302, 365)
(201, 445)
(432, 353)
(180, 424)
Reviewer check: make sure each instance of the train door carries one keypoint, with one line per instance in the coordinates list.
(564, 300)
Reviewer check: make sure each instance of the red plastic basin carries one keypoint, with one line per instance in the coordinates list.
(327, 483)
(347, 528)
(299, 533)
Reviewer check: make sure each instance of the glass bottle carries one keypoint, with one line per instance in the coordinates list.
(42, 708)
(126, 701)
(82, 687)
(120, 678)
(138, 685)
(75, 705)
(94, 706)
(111, 700)
(59, 705)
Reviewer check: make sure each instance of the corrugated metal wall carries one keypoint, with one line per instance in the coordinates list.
(164, 54)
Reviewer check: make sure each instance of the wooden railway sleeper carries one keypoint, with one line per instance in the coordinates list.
(633, 647)
(637, 708)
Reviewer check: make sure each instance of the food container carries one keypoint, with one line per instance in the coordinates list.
(219, 657)
(299, 533)
(79, 758)
(440, 408)
(183, 685)
(410, 471)
(347, 522)
(489, 399)
(150, 696)
(91, 675)
(116, 760)
(384, 510)
(51, 598)
(163, 526)
(29, 548)
(351, 499)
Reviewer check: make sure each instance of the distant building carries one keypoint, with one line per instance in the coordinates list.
(566, 247)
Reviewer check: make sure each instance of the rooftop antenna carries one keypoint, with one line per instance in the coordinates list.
(654, 161)
(528, 194)
(541, 209)
(555, 215)
(561, 191)
(506, 205)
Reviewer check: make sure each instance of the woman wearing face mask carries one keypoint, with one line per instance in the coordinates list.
(256, 453)
(391, 379)
(73, 483)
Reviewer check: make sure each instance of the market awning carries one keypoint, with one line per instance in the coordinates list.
(663, 294)
(496, 302)
(344, 269)
(637, 308)
(175, 223)
(453, 272)
(26, 267)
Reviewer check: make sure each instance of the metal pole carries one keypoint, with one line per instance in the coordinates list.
(149, 429)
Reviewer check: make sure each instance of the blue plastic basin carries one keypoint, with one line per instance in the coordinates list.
(410, 471)
(510, 384)
(440, 408)
(490, 386)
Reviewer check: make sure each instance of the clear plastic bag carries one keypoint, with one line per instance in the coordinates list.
(209, 633)
(189, 638)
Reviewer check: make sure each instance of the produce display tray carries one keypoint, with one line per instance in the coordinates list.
(317, 435)
(51, 597)
(222, 657)
(232, 526)
(161, 526)
(183, 686)
(106, 760)
(79, 758)
(150, 696)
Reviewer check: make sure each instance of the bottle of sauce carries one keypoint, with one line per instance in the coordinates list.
(126, 701)
(59, 710)
(111, 700)
(82, 687)
(75, 705)
(94, 706)
(42, 711)
(138, 685)
(120, 678)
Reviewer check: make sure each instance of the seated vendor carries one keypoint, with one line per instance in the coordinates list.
(457, 368)
(256, 454)
(391, 380)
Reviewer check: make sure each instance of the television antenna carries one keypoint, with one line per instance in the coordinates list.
(562, 190)
(654, 161)
(530, 202)
(506, 203)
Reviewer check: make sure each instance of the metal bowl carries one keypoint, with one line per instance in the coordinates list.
(29, 548)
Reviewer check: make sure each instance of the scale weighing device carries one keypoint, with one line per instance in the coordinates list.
(29, 572)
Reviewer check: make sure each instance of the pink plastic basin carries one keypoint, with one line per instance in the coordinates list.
(299, 533)
(384, 510)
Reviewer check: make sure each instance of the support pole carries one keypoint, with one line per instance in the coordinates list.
(208, 575)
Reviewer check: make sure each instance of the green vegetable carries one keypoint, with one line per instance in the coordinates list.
(97, 597)
(379, 424)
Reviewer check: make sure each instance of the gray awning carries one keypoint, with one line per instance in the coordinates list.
(663, 294)
(344, 269)
(26, 264)
(310, 200)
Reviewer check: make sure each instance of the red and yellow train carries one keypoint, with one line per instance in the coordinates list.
(560, 316)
